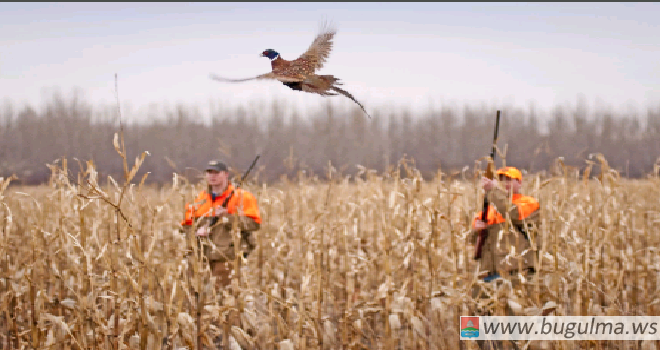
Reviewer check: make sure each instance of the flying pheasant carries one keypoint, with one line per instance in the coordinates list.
(299, 74)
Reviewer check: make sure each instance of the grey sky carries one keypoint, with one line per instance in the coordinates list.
(400, 54)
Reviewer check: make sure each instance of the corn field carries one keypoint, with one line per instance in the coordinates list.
(374, 260)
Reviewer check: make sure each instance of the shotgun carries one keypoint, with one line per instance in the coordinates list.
(489, 174)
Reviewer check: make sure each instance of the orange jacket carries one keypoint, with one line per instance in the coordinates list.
(205, 206)
(526, 206)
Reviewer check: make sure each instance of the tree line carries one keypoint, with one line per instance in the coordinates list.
(446, 137)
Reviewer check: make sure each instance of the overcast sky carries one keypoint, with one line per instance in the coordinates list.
(400, 54)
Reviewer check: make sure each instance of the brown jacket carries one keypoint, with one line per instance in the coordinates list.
(219, 245)
(523, 212)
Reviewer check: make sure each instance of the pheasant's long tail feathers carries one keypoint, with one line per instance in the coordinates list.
(348, 94)
(272, 76)
(219, 78)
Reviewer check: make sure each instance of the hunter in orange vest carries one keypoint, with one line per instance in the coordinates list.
(212, 216)
(523, 211)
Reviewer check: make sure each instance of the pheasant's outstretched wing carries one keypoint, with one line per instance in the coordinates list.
(272, 76)
(318, 52)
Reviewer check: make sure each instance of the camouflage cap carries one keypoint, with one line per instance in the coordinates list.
(216, 165)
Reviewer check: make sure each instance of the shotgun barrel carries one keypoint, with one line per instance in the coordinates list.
(224, 204)
(489, 174)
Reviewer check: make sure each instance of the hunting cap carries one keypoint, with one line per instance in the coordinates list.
(216, 165)
(510, 172)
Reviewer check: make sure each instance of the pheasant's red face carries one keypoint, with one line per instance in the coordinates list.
(270, 53)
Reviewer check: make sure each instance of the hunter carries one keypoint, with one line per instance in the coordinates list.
(214, 221)
(524, 212)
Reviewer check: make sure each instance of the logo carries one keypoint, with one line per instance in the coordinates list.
(469, 326)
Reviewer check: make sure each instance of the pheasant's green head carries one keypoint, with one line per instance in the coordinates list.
(270, 53)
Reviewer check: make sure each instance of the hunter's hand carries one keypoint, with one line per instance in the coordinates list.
(487, 184)
(221, 211)
(479, 225)
(203, 231)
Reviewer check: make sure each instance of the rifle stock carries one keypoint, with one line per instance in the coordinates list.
(489, 174)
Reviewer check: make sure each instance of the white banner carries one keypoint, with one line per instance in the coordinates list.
(560, 328)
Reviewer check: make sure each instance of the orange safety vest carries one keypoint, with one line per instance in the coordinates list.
(526, 206)
(205, 206)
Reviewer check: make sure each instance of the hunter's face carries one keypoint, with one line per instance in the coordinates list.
(217, 178)
(511, 185)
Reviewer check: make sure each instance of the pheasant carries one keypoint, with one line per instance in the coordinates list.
(300, 74)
